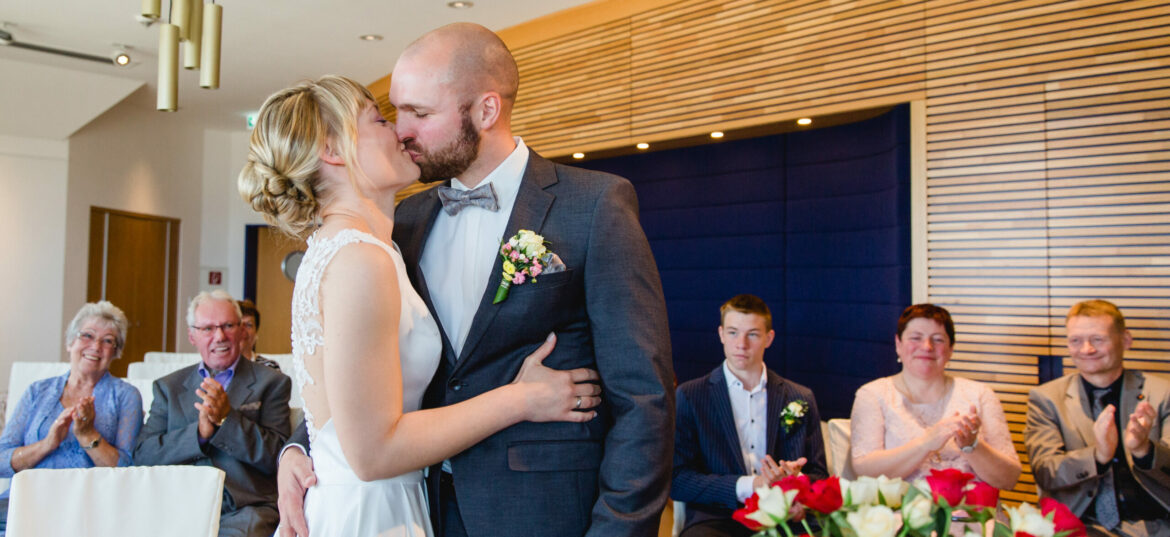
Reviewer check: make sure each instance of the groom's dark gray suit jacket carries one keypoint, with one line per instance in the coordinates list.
(608, 477)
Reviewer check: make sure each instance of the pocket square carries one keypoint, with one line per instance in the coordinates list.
(552, 264)
(254, 405)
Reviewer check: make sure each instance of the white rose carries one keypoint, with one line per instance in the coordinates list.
(922, 486)
(531, 244)
(873, 521)
(892, 490)
(773, 505)
(795, 409)
(970, 533)
(863, 491)
(916, 512)
(1029, 519)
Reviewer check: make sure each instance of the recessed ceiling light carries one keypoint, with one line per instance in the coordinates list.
(370, 37)
(643, 145)
(121, 58)
(460, 4)
(717, 134)
(578, 156)
(804, 121)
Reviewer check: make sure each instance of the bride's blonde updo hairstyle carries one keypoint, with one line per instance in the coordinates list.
(281, 179)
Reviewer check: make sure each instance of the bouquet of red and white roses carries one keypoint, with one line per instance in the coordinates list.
(870, 507)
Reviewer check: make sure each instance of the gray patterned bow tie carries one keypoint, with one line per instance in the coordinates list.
(454, 200)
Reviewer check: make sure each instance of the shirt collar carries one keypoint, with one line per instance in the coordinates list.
(204, 372)
(506, 177)
(733, 381)
(1114, 388)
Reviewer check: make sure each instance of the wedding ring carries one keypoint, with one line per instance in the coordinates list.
(578, 405)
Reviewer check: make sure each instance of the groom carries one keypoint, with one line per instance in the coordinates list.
(454, 89)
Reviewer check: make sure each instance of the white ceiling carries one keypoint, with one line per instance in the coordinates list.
(267, 45)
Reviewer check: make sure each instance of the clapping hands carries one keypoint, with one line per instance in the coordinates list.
(213, 406)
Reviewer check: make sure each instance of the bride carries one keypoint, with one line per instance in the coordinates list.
(364, 344)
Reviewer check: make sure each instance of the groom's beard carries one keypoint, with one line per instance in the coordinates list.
(452, 160)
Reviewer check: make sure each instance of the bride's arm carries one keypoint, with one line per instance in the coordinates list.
(360, 306)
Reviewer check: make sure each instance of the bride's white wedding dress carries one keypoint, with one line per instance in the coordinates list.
(340, 504)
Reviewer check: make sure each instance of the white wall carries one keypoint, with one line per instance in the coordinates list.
(225, 215)
(33, 176)
(134, 158)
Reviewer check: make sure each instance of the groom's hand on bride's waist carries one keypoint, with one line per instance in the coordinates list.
(294, 476)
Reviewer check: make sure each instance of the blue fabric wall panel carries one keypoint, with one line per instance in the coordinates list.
(731, 188)
(845, 286)
(880, 209)
(861, 175)
(865, 248)
(865, 322)
(756, 251)
(749, 219)
(814, 222)
(697, 161)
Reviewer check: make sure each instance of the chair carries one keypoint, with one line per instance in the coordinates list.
(135, 501)
(185, 358)
(840, 456)
(151, 371)
(146, 389)
(23, 375)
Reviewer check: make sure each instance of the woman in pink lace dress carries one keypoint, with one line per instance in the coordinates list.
(922, 418)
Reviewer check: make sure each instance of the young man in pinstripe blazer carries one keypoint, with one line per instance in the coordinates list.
(729, 435)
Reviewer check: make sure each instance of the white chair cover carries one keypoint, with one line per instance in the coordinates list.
(136, 501)
(185, 358)
(146, 389)
(143, 370)
(839, 444)
(24, 374)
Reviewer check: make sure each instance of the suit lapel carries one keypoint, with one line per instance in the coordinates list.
(721, 405)
(1079, 410)
(529, 212)
(1131, 388)
(240, 389)
(187, 398)
(776, 402)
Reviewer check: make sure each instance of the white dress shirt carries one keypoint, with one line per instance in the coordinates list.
(461, 250)
(750, 410)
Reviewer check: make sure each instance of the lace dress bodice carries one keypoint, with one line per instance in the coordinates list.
(419, 342)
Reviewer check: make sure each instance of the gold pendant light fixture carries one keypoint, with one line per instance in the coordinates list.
(199, 26)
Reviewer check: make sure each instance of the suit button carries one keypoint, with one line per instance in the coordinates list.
(1091, 493)
(454, 385)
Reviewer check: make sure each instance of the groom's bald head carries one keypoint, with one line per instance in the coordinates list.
(472, 60)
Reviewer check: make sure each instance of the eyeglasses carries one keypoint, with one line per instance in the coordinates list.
(89, 337)
(209, 329)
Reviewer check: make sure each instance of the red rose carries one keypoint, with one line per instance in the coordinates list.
(1023, 534)
(824, 496)
(1063, 519)
(749, 507)
(948, 484)
(798, 483)
(982, 495)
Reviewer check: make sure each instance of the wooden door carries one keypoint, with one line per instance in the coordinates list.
(273, 290)
(133, 263)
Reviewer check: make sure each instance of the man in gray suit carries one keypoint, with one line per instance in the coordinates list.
(223, 412)
(454, 89)
(1099, 439)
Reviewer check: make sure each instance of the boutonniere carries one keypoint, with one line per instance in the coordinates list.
(525, 257)
(793, 414)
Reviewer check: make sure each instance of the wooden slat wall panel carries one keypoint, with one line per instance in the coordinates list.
(1031, 204)
(1047, 140)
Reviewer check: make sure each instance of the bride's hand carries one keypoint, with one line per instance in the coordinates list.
(553, 395)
